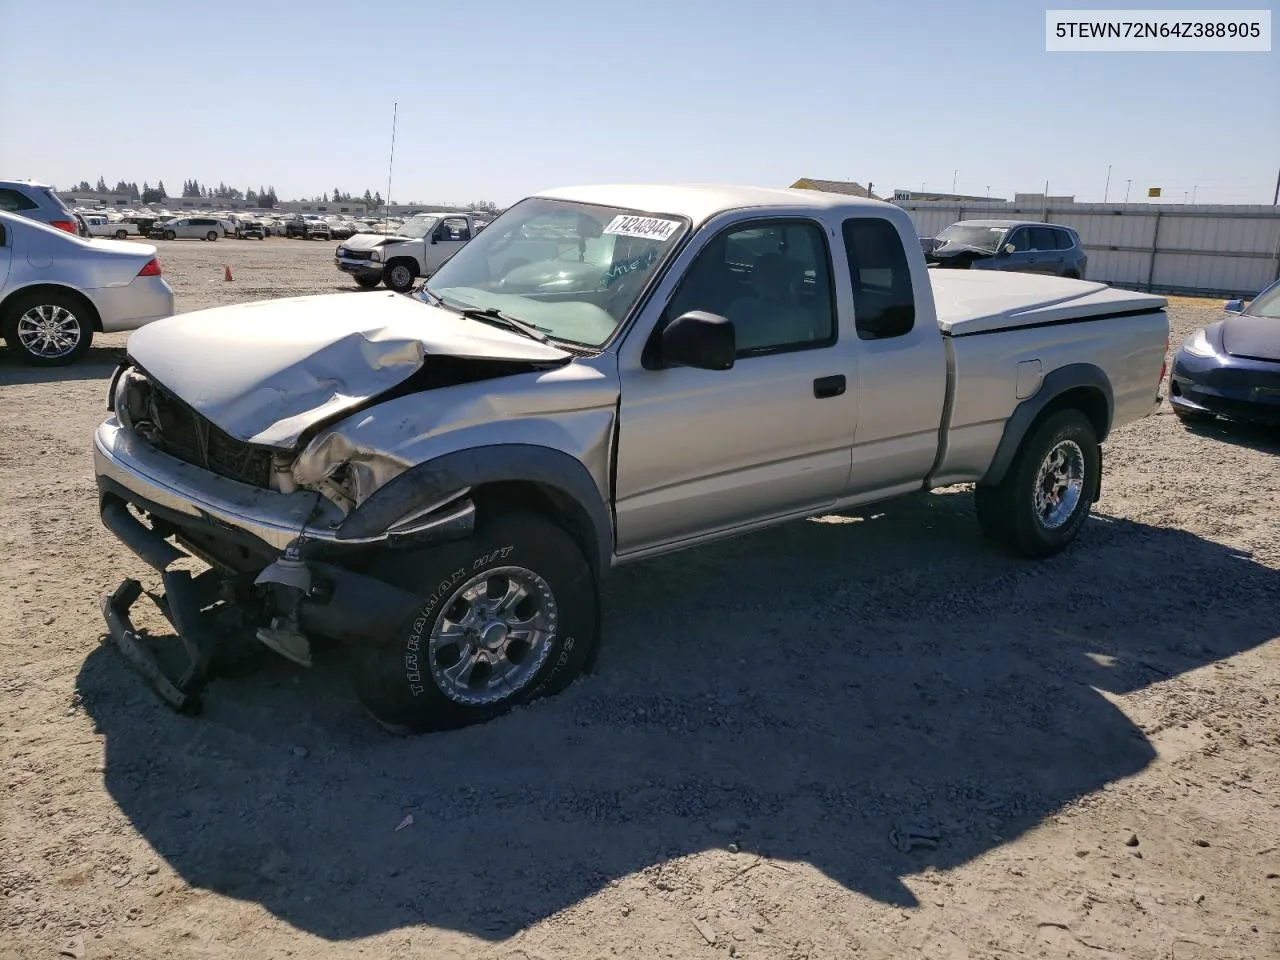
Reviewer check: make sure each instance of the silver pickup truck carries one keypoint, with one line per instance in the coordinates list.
(440, 481)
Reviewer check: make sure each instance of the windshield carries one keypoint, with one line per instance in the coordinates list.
(417, 227)
(984, 238)
(1267, 305)
(573, 270)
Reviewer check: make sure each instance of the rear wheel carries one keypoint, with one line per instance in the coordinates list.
(48, 329)
(211, 236)
(1045, 497)
(399, 275)
(121, 234)
(170, 235)
(511, 616)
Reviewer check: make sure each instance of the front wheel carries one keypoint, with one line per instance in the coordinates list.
(121, 234)
(211, 236)
(170, 235)
(398, 276)
(368, 283)
(1048, 491)
(510, 616)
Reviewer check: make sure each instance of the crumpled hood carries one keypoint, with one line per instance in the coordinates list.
(266, 372)
(1257, 337)
(370, 241)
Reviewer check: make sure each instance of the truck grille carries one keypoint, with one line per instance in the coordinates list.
(185, 434)
(358, 254)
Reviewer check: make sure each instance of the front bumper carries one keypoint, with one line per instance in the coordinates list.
(1226, 386)
(138, 472)
(358, 268)
(242, 531)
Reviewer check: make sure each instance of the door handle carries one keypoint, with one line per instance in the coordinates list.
(825, 387)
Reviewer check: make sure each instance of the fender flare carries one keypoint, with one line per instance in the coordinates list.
(1058, 382)
(431, 481)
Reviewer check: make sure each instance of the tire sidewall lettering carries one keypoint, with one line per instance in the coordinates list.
(424, 619)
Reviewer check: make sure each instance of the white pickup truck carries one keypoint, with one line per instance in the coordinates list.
(102, 226)
(417, 249)
(441, 481)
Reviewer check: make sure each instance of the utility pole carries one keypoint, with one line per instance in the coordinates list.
(1194, 188)
(1275, 201)
(1107, 189)
(953, 180)
(988, 191)
(1127, 185)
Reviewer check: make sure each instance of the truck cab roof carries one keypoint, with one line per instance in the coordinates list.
(701, 202)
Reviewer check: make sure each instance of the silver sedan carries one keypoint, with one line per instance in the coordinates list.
(57, 290)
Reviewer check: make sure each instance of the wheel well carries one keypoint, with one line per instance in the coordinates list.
(412, 263)
(52, 288)
(1088, 400)
(548, 501)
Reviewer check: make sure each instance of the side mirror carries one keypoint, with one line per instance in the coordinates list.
(1009, 248)
(699, 339)
(434, 239)
(1234, 306)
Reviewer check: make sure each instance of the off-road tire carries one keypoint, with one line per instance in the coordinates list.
(1006, 511)
(394, 675)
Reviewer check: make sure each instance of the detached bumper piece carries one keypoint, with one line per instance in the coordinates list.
(183, 603)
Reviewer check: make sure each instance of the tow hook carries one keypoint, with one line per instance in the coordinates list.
(289, 580)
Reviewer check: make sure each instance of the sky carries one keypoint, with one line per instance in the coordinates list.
(498, 99)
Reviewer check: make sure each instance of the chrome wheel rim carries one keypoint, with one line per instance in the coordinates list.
(492, 636)
(49, 331)
(401, 277)
(1059, 484)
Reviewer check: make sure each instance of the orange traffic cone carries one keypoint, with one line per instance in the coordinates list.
(227, 273)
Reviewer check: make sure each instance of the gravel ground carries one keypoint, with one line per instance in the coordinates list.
(1093, 742)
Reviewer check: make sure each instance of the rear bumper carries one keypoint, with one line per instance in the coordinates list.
(132, 306)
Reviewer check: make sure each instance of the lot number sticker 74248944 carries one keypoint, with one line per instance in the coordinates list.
(648, 228)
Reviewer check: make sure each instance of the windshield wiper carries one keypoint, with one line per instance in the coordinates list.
(495, 317)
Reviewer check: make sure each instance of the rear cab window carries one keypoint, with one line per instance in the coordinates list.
(884, 300)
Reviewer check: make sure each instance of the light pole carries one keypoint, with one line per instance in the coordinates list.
(1127, 184)
(1107, 189)
(953, 180)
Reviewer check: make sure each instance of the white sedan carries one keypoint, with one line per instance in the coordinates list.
(57, 289)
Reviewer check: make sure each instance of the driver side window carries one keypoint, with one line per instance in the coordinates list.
(771, 279)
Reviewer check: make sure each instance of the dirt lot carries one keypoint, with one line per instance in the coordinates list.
(1094, 740)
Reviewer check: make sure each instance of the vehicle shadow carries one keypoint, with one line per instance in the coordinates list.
(801, 692)
(1252, 435)
(97, 364)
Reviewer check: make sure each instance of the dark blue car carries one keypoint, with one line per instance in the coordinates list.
(1232, 368)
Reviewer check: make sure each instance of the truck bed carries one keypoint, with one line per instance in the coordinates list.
(980, 301)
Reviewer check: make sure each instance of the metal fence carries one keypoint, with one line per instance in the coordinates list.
(1199, 250)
